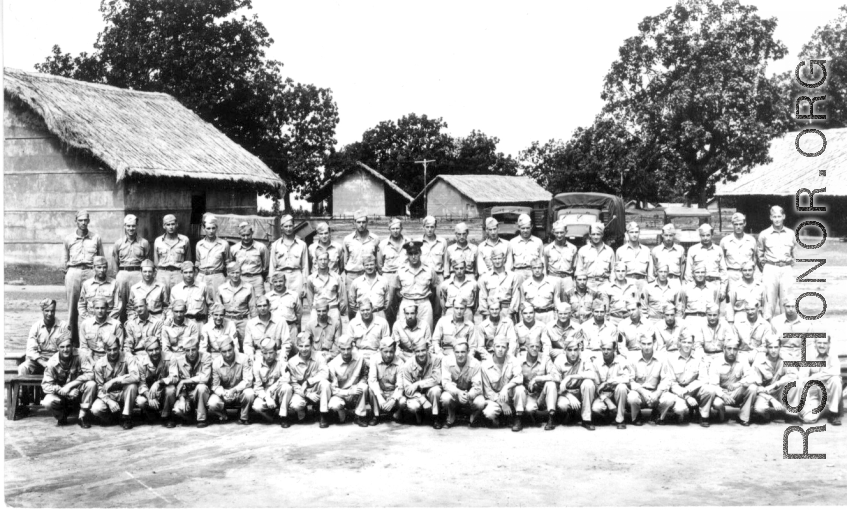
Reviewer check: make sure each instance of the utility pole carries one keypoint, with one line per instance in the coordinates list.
(424, 162)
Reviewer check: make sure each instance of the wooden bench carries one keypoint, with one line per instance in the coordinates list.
(14, 383)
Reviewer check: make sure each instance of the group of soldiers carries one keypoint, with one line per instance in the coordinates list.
(585, 335)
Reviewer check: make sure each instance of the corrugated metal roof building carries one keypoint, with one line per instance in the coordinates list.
(777, 182)
(467, 196)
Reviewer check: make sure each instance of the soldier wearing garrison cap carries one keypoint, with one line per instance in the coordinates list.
(434, 255)
(417, 284)
(501, 375)
(711, 257)
(325, 244)
(170, 250)
(140, 328)
(648, 382)
(501, 284)
(493, 326)
(99, 286)
(636, 256)
(525, 248)
(116, 375)
(385, 382)
(693, 298)
(460, 285)
(191, 372)
(95, 329)
(557, 333)
(683, 382)
(128, 252)
(356, 245)
(68, 379)
(327, 285)
(461, 384)
(348, 378)
(461, 250)
(422, 384)
(309, 381)
(671, 254)
(43, 339)
(212, 256)
(285, 304)
(149, 290)
(390, 257)
(265, 325)
(542, 292)
(738, 249)
(216, 329)
(196, 295)
(452, 329)
(253, 257)
(560, 257)
(372, 286)
(728, 381)
(271, 384)
(78, 254)
(290, 256)
(179, 332)
(596, 258)
(657, 294)
(485, 248)
(232, 382)
(614, 373)
(577, 384)
(156, 394)
(538, 390)
(237, 298)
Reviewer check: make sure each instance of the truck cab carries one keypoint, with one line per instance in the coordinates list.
(581, 210)
(686, 221)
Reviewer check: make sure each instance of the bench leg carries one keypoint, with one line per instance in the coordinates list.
(16, 390)
(10, 409)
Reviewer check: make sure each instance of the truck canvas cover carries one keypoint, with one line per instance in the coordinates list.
(611, 205)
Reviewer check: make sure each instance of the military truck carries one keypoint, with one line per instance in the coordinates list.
(580, 210)
(686, 221)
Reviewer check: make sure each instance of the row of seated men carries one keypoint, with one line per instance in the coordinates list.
(572, 378)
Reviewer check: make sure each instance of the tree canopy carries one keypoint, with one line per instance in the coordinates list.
(211, 57)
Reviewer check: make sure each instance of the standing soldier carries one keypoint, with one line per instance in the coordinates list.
(94, 330)
(743, 291)
(596, 258)
(324, 244)
(728, 382)
(657, 295)
(670, 254)
(434, 250)
(525, 248)
(459, 286)
(191, 372)
(78, 254)
(461, 250)
(501, 284)
(593, 331)
(776, 247)
(324, 330)
(385, 381)
(68, 379)
(128, 252)
(560, 257)
(614, 373)
(709, 256)
(738, 250)
(238, 299)
(559, 332)
(154, 393)
(116, 375)
(422, 383)
(408, 332)
(285, 304)
(212, 256)
(309, 381)
(149, 290)
(577, 384)
(647, 383)
(451, 330)
(682, 382)
(327, 285)
(492, 327)
(541, 292)
(461, 385)
(100, 286)
(140, 328)
(371, 286)
(271, 388)
(43, 339)
(580, 295)
(390, 257)
(253, 257)
(788, 323)
(528, 328)
(349, 383)
(232, 382)
(670, 332)
(290, 256)
(487, 246)
(538, 390)
(501, 375)
(178, 333)
(636, 256)
(416, 284)
(694, 297)
(197, 297)
(617, 292)
(752, 331)
(356, 245)
(170, 250)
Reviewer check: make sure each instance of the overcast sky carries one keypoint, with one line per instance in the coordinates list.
(521, 71)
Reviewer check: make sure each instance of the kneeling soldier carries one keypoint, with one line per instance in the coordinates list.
(614, 373)
(500, 376)
(232, 382)
(116, 375)
(422, 383)
(309, 380)
(155, 393)
(682, 381)
(191, 372)
(578, 385)
(645, 389)
(773, 376)
(271, 383)
(728, 382)
(348, 382)
(385, 381)
(68, 379)
(461, 384)
(538, 390)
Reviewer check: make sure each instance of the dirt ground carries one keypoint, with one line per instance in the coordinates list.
(402, 465)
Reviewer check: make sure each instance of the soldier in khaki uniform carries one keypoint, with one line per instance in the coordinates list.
(179, 333)
(577, 381)
(328, 286)
(461, 250)
(191, 372)
(371, 286)
(560, 257)
(422, 384)
(615, 374)
(237, 298)
(461, 385)
(140, 328)
(170, 251)
(367, 329)
(417, 283)
(728, 381)
(541, 292)
(349, 383)
(459, 285)
(501, 284)
(265, 326)
(408, 332)
(776, 245)
(390, 257)
(128, 253)
(538, 389)
(197, 297)
(501, 375)
(492, 327)
(116, 375)
(43, 339)
(155, 393)
(632, 329)
(217, 329)
(434, 255)
(596, 259)
(100, 286)
(271, 383)
(710, 256)
(636, 257)
(670, 254)
(232, 382)
(79, 250)
(356, 245)
(527, 329)
(744, 290)
(647, 384)
(94, 330)
(212, 256)
(658, 294)
(682, 382)
(149, 290)
(309, 381)
(385, 382)
(324, 330)
(617, 293)
(290, 256)
(830, 376)
(253, 257)
(68, 379)
(451, 330)
(738, 249)
(556, 334)
(773, 376)
(324, 244)
(486, 247)
(285, 305)
(752, 331)
(525, 248)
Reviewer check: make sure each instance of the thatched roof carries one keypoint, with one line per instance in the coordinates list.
(136, 133)
(494, 189)
(325, 190)
(790, 170)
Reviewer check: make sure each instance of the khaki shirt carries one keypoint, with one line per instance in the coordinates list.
(432, 253)
(484, 250)
(237, 299)
(781, 326)
(681, 371)
(374, 289)
(236, 376)
(712, 259)
(393, 255)
(655, 297)
(525, 250)
(741, 293)
(694, 298)
(594, 335)
(355, 248)
(406, 337)
(257, 330)
(174, 337)
(617, 294)
(667, 339)
(289, 255)
(595, 263)
(428, 375)
(526, 333)
(268, 378)
(556, 337)
(723, 373)
(58, 374)
(43, 342)
(451, 290)
(329, 287)
(447, 333)
(577, 299)
(124, 368)
(149, 372)
(416, 283)
(487, 331)
(367, 336)
(468, 253)
(496, 377)
(254, 259)
(156, 296)
(541, 295)
(631, 333)
(648, 374)
(738, 251)
(306, 373)
(465, 378)
(197, 297)
(171, 254)
(542, 368)
(504, 287)
(183, 370)
(673, 257)
(344, 375)
(92, 333)
(752, 335)
(639, 261)
(711, 340)
(334, 250)
(619, 371)
(777, 245)
(385, 378)
(284, 307)
(212, 255)
(80, 250)
(138, 330)
(325, 336)
(211, 336)
(129, 252)
(92, 289)
(560, 260)
(768, 372)
(582, 365)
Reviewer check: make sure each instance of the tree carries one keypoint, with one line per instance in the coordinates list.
(211, 58)
(477, 154)
(692, 85)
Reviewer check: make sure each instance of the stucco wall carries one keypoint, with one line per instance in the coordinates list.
(444, 200)
(358, 190)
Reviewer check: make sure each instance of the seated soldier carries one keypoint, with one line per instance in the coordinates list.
(681, 384)
(459, 286)
(557, 333)
(385, 381)
(538, 389)
(710, 337)
(191, 373)
(493, 326)
(528, 328)
(614, 373)
(645, 389)
(285, 304)
(177, 333)
(422, 383)
(94, 329)
(752, 331)
(577, 384)
(500, 375)
(265, 325)
(232, 382)
(617, 292)
(542, 292)
(116, 375)
(631, 329)
(409, 331)
(728, 382)
(148, 289)
(43, 338)
(324, 328)
(773, 376)
(155, 393)
(592, 332)
(68, 379)
(309, 381)
(139, 328)
(348, 383)
(461, 385)
(216, 329)
(830, 376)
(580, 295)
(271, 383)
(367, 329)
(451, 329)
(668, 334)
